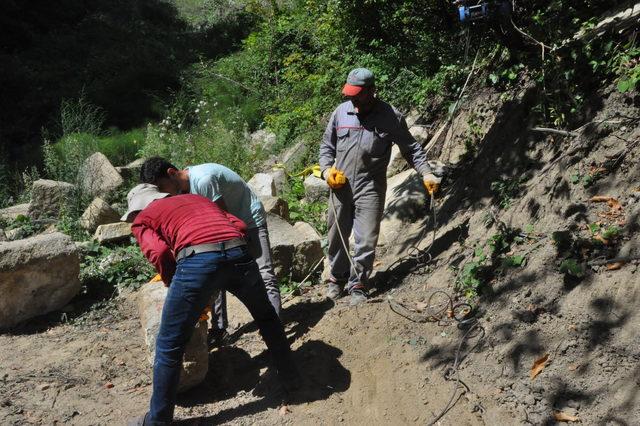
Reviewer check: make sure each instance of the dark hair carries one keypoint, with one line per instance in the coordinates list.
(153, 169)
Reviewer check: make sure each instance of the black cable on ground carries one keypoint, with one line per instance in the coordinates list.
(448, 313)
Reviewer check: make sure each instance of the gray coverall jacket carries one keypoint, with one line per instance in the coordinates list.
(360, 146)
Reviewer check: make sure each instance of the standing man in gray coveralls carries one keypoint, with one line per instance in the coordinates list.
(354, 156)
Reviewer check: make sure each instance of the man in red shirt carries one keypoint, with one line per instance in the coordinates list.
(197, 248)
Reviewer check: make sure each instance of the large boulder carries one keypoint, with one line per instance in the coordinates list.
(37, 275)
(420, 133)
(307, 252)
(315, 189)
(280, 180)
(295, 249)
(293, 156)
(397, 163)
(131, 170)
(406, 202)
(112, 232)
(276, 205)
(11, 213)
(15, 234)
(49, 198)
(283, 239)
(196, 357)
(262, 184)
(98, 213)
(263, 140)
(98, 177)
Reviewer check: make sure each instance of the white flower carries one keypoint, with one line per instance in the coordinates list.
(197, 110)
(180, 126)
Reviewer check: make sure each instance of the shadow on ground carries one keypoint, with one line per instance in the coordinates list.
(234, 370)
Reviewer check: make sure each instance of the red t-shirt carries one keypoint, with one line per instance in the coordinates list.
(168, 225)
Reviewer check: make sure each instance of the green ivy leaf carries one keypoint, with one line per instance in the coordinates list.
(624, 86)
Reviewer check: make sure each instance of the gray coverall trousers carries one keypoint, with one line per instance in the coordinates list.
(260, 248)
(360, 146)
(363, 217)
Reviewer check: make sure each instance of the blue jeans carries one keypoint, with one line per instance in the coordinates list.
(195, 280)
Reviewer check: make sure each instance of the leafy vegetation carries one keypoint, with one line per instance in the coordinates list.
(505, 190)
(313, 213)
(490, 259)
(119, 268)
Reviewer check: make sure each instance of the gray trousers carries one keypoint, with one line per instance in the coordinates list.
(260, 248)
(363, 217)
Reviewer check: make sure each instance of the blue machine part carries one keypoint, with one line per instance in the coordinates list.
(472, 13)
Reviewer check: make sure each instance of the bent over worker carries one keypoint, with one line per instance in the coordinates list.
(354, 155)
(197, 248)
(227, 189)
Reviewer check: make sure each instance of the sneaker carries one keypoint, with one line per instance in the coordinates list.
(218, 337)
(358, 297)
(334, 291)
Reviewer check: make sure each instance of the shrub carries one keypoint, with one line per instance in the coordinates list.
(191, 136)
(119, 267)
(313, 213)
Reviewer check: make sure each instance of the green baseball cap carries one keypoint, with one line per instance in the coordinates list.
(358, 79)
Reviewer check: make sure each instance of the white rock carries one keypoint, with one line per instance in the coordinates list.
(412, 117)
(307, 252)
(131, 170)
(293, 156)
(15, 234)
(315, 189)
(37, 275)
(10, 213)
(276, 205)
(397, 163)
(98, 213)
(98, 177)
(112, 232)
(283, 240)
(263, 139)
(262, 184)
(405, 203)
(420, 133)
(49, 198)
(196, 357)
(280, 180)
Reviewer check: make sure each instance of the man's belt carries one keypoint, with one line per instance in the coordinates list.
(205, 248)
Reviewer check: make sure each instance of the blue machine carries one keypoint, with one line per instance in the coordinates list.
(483, 10)
(473, 13)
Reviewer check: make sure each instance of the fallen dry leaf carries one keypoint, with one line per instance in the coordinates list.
(561, 416)
(539, 365)
(108, 385)
(377, 263)
(573, 367)
(599, 237)
(611, 202)
(284, 410)
(615, 266)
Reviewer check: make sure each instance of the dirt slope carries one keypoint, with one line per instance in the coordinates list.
(372, 366)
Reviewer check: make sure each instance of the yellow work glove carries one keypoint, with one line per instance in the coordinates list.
(335, 178)
(431, 183)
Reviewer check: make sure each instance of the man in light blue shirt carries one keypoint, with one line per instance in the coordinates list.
(227, 189)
